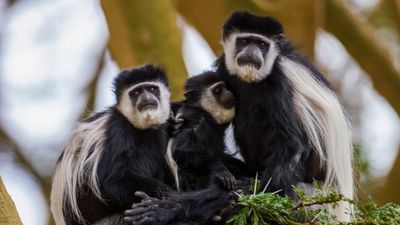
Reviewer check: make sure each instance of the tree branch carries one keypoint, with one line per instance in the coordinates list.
(8, 212)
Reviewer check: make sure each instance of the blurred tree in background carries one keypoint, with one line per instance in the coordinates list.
(148, 32)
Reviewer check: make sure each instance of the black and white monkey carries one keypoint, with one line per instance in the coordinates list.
(289, 125)
(115, 153)
(198, 148)
(196, 155)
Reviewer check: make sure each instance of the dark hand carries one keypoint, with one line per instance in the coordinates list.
(226, 178)
(152, 211)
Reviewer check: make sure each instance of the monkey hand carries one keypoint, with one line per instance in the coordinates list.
(243, 186)
(152, 211)
(226, 178)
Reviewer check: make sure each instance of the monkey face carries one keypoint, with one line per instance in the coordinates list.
(222, 95)
(251, 51)
(145, 105)
(219, 102)
(145, 97)
(249, 56)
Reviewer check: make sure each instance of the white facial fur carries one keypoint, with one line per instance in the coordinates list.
(210, 104)
(150, 118)
(248, 73)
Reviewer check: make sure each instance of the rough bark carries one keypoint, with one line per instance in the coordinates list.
(389, 192)
(146, 32)
(8, 212)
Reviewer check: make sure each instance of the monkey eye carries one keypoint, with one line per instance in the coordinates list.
(264, 45)
(136, 92)
(217, 90)
(243, 41)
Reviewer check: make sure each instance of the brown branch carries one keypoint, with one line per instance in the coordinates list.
(358, 38)
(8, 212)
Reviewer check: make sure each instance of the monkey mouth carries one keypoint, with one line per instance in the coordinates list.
(147, 106)
(229, 104)
(249, 61)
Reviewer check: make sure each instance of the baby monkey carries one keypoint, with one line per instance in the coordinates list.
(200, 121)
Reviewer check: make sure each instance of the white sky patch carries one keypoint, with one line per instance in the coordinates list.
(49, 52)
(197, 54)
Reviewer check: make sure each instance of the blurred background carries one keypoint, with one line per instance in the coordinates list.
(58, 59)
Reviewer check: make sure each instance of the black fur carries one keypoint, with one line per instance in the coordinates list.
(130, 77)
(200, 154)
(132, 159)
(267, 129)
(246, 22)
(199, 145)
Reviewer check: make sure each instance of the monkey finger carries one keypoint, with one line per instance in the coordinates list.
(144, 220)
(142, 204)
(179, 119)
(137, 211)
(232, 180)
(234, 183)
(148, 216)
(142, 195)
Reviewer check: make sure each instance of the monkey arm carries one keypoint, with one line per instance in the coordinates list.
(199, 206)
(285, 167)
(120, 187)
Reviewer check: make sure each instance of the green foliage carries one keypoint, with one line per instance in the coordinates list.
(370, 213)
(270, 208)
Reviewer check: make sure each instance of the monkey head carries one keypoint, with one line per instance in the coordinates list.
(209, 92)
(250, 45)
(143, 96)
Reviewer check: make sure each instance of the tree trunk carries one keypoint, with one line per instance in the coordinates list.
(146, 32)
(390, 190)
(8, 212)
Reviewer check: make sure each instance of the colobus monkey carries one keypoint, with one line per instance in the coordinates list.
(198, 148)
(289, 124)
(115, 153)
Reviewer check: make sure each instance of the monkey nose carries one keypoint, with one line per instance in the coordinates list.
(229, 102)
(147, 104)
(250, 60)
